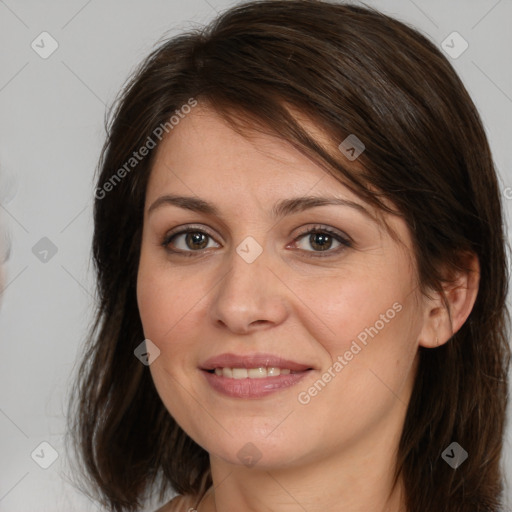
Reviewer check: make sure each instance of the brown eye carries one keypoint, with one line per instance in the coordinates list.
(196, 240)
(322, 239)
(187, 241)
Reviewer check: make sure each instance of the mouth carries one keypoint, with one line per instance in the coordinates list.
(252, 376)
(258, 365)
(261, 372)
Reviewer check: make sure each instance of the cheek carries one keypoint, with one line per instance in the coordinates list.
(163, 312)
(170, 312)
(159, 292)
(147, 304)
(354, 306)
(379, 345)
(155, 298)
(371, 324)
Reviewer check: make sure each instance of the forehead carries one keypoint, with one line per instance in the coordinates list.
(204, 151)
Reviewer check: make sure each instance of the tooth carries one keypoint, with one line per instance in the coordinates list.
(239, 373)
(257, 373)
(252, 373)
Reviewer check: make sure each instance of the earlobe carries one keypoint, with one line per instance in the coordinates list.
(440, 323)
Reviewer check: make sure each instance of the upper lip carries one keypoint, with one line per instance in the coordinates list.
(252, 361)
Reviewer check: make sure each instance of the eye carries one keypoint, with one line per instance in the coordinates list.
(321, 239)
(192, 240)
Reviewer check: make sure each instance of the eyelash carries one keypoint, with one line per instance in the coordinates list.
(345, 242)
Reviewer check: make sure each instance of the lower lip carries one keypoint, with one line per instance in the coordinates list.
(253, 388)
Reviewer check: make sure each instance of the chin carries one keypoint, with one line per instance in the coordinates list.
(264, 451)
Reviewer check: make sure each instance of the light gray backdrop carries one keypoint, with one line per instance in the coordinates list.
(52, 108)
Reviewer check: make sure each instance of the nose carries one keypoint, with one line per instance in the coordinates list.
(250, 296)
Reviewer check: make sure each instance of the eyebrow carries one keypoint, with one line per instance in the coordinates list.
(280, 209)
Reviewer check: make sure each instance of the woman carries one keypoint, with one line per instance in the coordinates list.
(301, 271)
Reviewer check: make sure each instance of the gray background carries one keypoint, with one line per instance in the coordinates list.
(51, 130)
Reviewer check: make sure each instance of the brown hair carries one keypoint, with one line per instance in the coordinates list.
(352, 70)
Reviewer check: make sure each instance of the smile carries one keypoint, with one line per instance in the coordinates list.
(251, 373)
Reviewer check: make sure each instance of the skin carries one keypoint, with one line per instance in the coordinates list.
(336, 452)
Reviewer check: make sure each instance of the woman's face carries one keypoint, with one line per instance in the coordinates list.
(248, 280)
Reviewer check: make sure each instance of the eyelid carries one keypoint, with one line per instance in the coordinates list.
(188, 227)
(325, 228)
(307, 229)
(341, 237)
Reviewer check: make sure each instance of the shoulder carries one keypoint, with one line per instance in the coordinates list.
(179, 504)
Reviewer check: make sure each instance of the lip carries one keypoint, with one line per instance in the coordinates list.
(230, 360)
(252, 388)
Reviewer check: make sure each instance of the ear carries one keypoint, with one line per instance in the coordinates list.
(440, 324)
